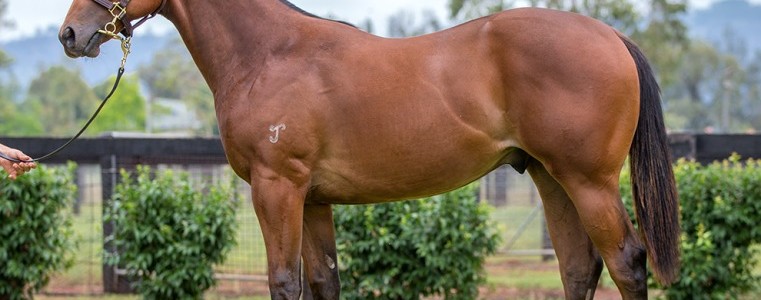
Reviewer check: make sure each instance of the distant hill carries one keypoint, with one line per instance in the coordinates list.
(739, 16)
(32, 55)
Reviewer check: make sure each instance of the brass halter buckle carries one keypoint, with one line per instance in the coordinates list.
(118, 12)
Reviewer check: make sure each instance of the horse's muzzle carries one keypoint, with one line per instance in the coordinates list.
(68, 38)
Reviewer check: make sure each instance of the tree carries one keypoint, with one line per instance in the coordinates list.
(617, 13)
(462, 10)
(171, 71)
(754, 92)
(61, 100)
(173, 74)
(14, 123)
(663, 35)
(718, 88)
(367, 25)
(125, 111)
(686, 105)
(403, 24)
(5, 60)
(3, 9)
(201, 100)
(664, 38)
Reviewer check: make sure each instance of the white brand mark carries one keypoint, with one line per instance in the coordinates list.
(276, 130)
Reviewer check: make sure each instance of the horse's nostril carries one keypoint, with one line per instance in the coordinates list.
(67, 37)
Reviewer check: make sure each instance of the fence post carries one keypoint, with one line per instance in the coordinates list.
(112, 281)
(79, 180)
(546, 241)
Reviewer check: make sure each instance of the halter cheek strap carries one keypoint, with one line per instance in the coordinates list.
(118, 10)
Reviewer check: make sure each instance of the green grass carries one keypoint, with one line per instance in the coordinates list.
(523, 273)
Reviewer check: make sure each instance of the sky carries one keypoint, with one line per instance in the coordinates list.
(30, 16)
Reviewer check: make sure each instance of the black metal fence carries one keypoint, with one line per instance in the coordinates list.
(100, 160)
(99, 163)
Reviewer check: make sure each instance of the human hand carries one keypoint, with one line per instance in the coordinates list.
(15, 169)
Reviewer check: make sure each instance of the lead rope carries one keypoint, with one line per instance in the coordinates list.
(109, 30)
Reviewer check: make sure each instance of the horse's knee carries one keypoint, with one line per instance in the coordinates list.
(285, 285)
(638, 262)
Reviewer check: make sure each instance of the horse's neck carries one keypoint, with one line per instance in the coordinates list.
(232, 37)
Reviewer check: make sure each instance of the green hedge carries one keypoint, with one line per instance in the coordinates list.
(720, 217)
(35, 229)
(170, 234)
(406, 250)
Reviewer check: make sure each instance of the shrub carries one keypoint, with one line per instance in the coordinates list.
(169, 234)
(720, 213)
(404, 250)
(35, 229)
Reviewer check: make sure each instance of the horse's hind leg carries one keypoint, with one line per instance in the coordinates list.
(319, 252)
(597, 201)
(580, 263)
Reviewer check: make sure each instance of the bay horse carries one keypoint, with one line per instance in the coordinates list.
(313, 112)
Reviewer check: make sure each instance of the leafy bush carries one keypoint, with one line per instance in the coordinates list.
(35, 230)
(404, 250)
(720, 213)
(169, 234)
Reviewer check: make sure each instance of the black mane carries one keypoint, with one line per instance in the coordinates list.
(306, 13)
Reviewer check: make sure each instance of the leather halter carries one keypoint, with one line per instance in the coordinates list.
(118, 9)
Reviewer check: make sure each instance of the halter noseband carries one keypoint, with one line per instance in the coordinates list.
(118, 10)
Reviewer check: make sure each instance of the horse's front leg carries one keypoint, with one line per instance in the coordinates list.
(279, 205)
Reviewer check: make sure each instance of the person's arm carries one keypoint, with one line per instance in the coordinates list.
(15, 169)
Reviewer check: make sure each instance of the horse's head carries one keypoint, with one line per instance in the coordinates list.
(88, 21)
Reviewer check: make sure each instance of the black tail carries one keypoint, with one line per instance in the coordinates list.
(653, 185)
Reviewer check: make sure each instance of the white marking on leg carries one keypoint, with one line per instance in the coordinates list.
(276, 130)
(331, 263)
